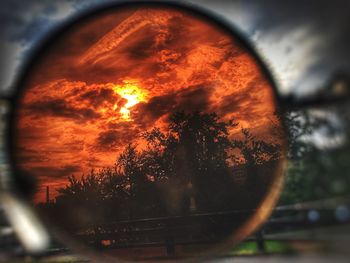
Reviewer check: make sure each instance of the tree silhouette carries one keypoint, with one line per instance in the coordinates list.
(256, 151)
(191, 159)
(88, 189)
(189, 162)
(259, 159)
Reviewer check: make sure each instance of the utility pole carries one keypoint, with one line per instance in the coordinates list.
(47, 194)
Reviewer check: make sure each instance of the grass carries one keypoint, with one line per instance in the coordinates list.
(250, 248)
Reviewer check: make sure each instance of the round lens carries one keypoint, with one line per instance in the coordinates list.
(151, 131)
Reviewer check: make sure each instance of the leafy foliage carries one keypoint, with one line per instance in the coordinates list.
(190, 164)
(315, 173)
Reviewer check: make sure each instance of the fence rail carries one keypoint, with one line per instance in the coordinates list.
(201, 228)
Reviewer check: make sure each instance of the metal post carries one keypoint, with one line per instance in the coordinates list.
(47, 195)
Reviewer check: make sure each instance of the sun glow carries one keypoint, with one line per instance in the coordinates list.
(131, 92)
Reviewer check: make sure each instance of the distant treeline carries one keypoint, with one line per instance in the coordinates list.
(189, 168)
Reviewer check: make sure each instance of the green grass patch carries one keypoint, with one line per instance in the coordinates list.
(250, 248)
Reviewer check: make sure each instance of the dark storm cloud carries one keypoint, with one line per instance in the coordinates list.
(97, 97)
(155, 108)
(109, 139)
(194, 98)
(22, 25)
(26, 158)
(31, 133)
(24, 21)
(27, 21)
(142, 48)
(329, 22)
(88, 4)
(276, 15)
(115, 136)
(51, 172)
(232, 103)
(239, 103)
(60, 108)
(28, 155)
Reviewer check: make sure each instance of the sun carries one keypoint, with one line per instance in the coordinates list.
(132, 93)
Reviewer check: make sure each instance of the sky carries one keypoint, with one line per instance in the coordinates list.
(121, 73)
(303, 44)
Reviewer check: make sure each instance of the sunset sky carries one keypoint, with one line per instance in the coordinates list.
(123, 72)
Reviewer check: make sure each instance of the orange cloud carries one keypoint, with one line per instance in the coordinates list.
(119, 74)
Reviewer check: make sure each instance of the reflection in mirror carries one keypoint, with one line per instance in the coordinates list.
(150, 129)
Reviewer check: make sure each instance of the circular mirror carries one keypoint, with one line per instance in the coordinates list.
(151, 131)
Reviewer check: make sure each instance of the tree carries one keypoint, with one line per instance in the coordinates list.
(88, 189)
(260, 160)
(314, 173)
(256, 151)
(191, 160)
